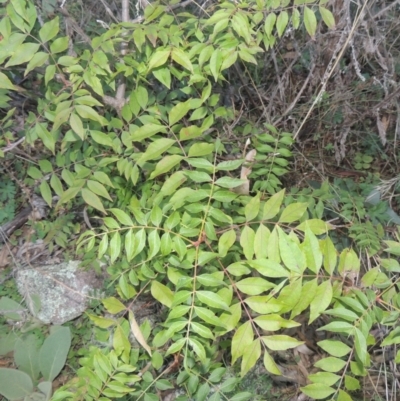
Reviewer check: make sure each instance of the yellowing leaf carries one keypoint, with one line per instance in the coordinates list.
(135, 329)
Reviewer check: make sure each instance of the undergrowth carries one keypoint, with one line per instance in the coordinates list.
(184, 203)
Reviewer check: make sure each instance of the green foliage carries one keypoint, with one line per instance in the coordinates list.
(38, 364)
(232, 268)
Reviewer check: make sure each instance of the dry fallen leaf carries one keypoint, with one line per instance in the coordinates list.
(137, 333)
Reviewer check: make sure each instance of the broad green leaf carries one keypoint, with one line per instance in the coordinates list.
(274, 322)
(197, 348)
(201, 330)
(254, 285)
(162, 293)
(310, 21)
(172, 183)
(290, 252)
(122, 217)
(308, 293)
(5, 82)
(281, 22)
(338, 327)
(190, 132)
(229, 165)
(330, 364)
(113, 305)
(228, 182)
(316, 226)
(230, 320)
(250, 357)
(77, 125)
(329, 379)
(26, 356)
(293, 212)
(261, 241)
(115, 246)
(247, 242)
(334, 347)
(208, 316)
(273, 204)
(317, 391)
(103, 246)
(164, 76)
(37, 60)
(215, 63)
(343, 396)
(146, 131)
(98, 189)
(225, 242)
(280, 342)
(322, 299)
(212, 299)
(23, 54)
(156, 149)
(241, 339)
(45, 191)
(329, 253)
(252, 208)
(178, 112)
(327, 16)
(54, 351)
(351, 383)
(270, 364)
(263, 304)
(92, 199)
(91, 114)
(59, 45)
(56, 184)
(154, 244)
(165, 165)
(361, 345)
(201, 149)
(14, 384)
(49, 30)
(269, 23)
(312, 251)
(158, 58)
(180, 57)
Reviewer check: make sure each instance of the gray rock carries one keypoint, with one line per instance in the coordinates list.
(57, 293)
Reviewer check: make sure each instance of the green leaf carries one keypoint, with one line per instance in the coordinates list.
(330, 364)
(242, 338)
(201, 149)
(165, 165)
(215, 63)
(310, 21)
(212, 299)
(329, 379)
(115, 246)
(269, 24)
(334, 347)
(5, 82)
(201, 330)
(45, 191)
(146, 131)
(312, 251)
(228, 182)
(281, 22)
(254, 285)
(197, 348)
(280, 342)
(156, 149)
(103, 246)
(327, 16)
(293, 212)
(37, 60)
(261, 241)
(162, 293)
(179, 111)
(343, 396)
(329, 253)
(351, 383)
(164, 76)
(122, 217)
(59, 45)
(22, 54)
(49, 30)
(270, 364)
(158, 58)
(181, 58)
(251, 355)
(14, 384)
(193, 131)
(247, 242)
(225, 242)
(54, 351)
(92, 199)
(317, 391)
(274, 322)
(322, 299)
(269, 268)
(208, 316)
(113, 306)
(361, 345)
(98, 189)
(26, 356)
(252, 208)
(273, 204)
